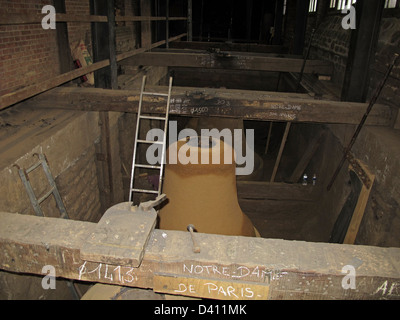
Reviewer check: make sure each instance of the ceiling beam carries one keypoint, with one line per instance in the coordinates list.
(230, 60)
(229, 46)
(195, 102)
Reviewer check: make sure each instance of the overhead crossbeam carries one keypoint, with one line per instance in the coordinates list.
(195, 102)
(230, 60)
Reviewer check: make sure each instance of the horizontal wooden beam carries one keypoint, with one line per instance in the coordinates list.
(148, 18)
(25, 18)
(32, 90)
(260, 190)
(226, 46)
(230, 60)
(236, 267)
(195, 102)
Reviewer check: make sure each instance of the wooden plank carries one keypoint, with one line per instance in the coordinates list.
(25, 18)
(32, 90)
(291, 269)
(260, 190)
(226, 46)
(120, 237)
(229, 60)
(147, 18)
(359, 210)
(306, 158)
(195, 102)
(362, 49)
(64, 51)
(211, 289)
(145, 10)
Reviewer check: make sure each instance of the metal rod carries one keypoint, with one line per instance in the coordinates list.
(196, 247)
(364, 118)
(278, 159)
(164, 148)
(305, 60)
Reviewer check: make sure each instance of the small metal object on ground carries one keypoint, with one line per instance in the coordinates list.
(196, 247)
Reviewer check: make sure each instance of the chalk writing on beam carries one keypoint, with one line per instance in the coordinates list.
(109, 273)
(236, 272)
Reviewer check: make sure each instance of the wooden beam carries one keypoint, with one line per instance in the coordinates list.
(300, 25)
(64, 51)
(147, 18)
(361, 55)
(32, 90)
(24, 18)
(285, 269)
(196, 102)
(227, 46)
(363, 197)
(229, 60)
(146, 35)
(260, 190)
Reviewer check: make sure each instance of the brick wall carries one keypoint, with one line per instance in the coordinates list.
(330, 43)
(388, 44)
(79, 30)
(28, 54)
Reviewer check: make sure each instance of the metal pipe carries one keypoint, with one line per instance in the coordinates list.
(364, 118)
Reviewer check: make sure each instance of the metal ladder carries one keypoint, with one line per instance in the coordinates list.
(139, 141)
(24, 174)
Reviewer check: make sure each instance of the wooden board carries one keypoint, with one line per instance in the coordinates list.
(291, 269)
(359, 210)
(230, 60)
(120, 237)
(259, 190)
(37, 88)
(226, 46)
(197, 102)
(210, 289)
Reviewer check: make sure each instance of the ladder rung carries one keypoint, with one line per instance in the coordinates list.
(144, 191)
(147, 166)
(155, 94)
(153, 118)
(149, 141)
(29, 170)
(46, 196)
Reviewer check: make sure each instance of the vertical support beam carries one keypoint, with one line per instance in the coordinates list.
(302, 7)
(190, 21)
(282, 147)
(112, 43)
(167, 24)
(362, 50)
(64, 51)
(249, 14)
(145, 10)
(201, 21)
(103, 39)
(277, 39)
